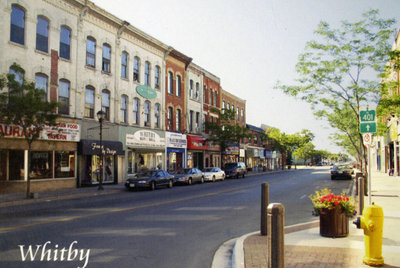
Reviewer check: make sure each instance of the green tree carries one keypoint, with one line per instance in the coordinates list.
(23, 105)
(336, 71)
(305, 152)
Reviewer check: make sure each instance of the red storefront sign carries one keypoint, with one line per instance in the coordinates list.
(196, 143)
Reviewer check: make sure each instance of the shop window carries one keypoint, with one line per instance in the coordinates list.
(17, 31)
(106, 65)
(41, 166)
(3, 165)
(89, 102)
(64, 164)
(124, 65)
(16, 165)
(65, 43)
(157, 77)
(136, 69)
(124, 109)
(63, 97)
(91, 52)
(42, 34)
(105, 103)
(147, 73)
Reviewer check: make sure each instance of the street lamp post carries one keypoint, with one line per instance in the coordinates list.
(100, 116)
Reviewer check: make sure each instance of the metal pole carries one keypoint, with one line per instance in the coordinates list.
(361, 195)
(369, 174)
(101, 155)
(264, 206)
(276, 235)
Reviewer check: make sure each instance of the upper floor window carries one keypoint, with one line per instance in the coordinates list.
(211, 97)
(178, 86)
(124, 109)
(197, 94)
(157, 77)
(157, 115)
(169, 118)
(147, 113)
(191, 121)
(41, 83)
(89, 102)
(237, 114)
(18, 75)
(178, 119)
(91, 52)
(204, 94)
(242, 115)
(63, 97)
(197, 122)
(124, 65)
(65, 43)
(105, 103)
(106, 66)
(223, 106)
(136, 69)
(191, 93)
(42, 34)
(215, 98)
(147, 73)
(17, 30)
(170, 83)
(136, 106)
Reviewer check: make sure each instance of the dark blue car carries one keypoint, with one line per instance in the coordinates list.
(150, 179)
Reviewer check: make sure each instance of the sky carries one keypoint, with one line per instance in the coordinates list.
(250, 45)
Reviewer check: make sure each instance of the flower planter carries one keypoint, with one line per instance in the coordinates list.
(333, 223)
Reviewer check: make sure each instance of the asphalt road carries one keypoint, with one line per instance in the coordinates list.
(178, 227)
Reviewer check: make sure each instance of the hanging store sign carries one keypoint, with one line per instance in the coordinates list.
(144, 139)
(175, 140)
(196, 142)
(146, 92)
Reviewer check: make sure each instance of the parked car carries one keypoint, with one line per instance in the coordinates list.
(213, 174)
(235, 169)
(341, 171)
(150, 179)
(188, 176)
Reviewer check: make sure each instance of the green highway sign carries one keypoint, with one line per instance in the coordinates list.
(369, 127)
(367, 116)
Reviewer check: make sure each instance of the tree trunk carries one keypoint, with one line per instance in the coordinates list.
(28, 183)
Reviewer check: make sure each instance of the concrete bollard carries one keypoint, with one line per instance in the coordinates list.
(361, 195)
(358, 175)
(264, 206)
(276, 235)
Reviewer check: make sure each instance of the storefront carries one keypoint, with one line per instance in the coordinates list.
(146, 150)
(90, 152)
(52, 159)
(196, 145)
(212, 155)
(255, 159)
(231, 153)
(176, 144)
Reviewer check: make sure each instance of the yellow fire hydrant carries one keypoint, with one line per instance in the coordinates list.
(372, 224)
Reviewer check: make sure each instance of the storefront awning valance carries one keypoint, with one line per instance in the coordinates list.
(92, 147)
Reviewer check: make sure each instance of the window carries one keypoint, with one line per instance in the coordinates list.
(242, 115)
(106, 67)
(65, 43)
(65, 164)
(237, 114)
(136, 106)
(91, 52)
(178, 120)
(63, 97)
(178, 86)
(211, 97)
(136, 64)
(170, 83)
(191, 93)
(41, 83)
(147, 113)
(215, 98)
(204, 94)
(223, 106)
(41, 164)
(105, 103)
(157, 115)
(197, 95)
(157, 77)
(42, 34)
(124, 108)
(18, 75)
(197, 122)
(89, 102)
(17, 31)
(190, 121)
(147, 73)
(170, 120)
(124, 65)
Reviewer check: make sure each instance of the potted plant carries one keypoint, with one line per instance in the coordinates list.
(334, 212)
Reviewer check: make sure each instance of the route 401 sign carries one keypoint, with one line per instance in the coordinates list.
(367, 120)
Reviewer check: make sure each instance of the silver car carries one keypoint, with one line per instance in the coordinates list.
(188, 176)
(213, 174)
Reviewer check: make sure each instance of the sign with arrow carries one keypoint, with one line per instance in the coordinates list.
(367, 120)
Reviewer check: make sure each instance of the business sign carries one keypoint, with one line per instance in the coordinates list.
(367, 120)
(196, 142)
(146, 92)
(145, 138)
(61, 132)
(175, 140)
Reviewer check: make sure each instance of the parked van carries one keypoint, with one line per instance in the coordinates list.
(235, 169)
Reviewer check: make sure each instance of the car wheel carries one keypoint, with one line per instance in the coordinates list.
(213, 178)
(244, 174)
(153, 186)
(202, 180)
(223, 178)
(237, 176)
(332, 177)
(170, 184)
(190, 181)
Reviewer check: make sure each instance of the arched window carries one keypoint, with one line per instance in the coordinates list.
(178, 86)
(106, 66)
(41, 83)
(105, 103)
(147, 109)
(147, 73)
(124, 109)
(136, 69)
(178, 119)
(124, 65)
(63, 97)
(91, 52)
(170, 83)
(157, 115)
(157, 77)
(89, 102)
(65, 43)
(136, 114)
(17, 29)
(42, 34)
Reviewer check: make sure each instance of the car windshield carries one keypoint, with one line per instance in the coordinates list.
(230, 165)
(145, 174)
(208, 169)
(183, 171)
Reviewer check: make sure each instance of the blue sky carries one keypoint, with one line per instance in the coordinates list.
(249, 45)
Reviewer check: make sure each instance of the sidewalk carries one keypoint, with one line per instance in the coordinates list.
(304, 247)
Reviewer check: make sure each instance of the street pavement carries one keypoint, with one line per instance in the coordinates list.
(304, 247)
